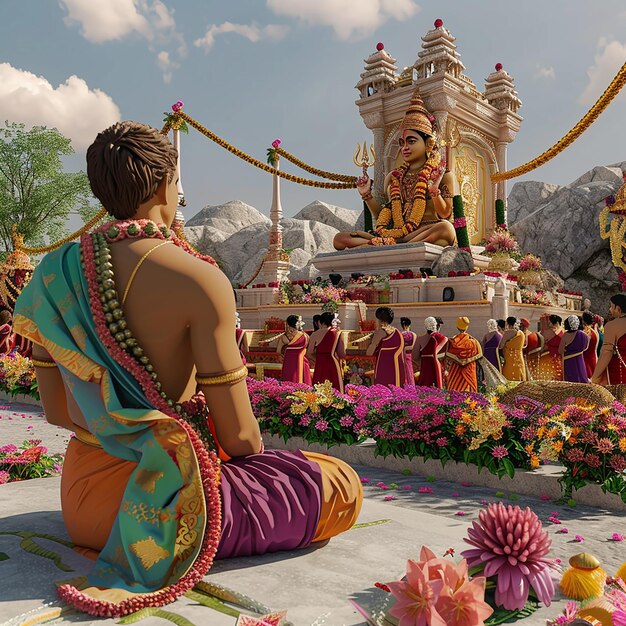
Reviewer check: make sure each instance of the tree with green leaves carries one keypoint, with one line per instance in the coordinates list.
(35, 193)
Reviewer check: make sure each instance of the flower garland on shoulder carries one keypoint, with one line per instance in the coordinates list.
(400, 227)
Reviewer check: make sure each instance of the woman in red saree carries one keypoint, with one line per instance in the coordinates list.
(426, 355)
(409, 343)
(461, 355)
(388, 346)
(293, 345)
(326, 348)
(591, 353)
(551, 363)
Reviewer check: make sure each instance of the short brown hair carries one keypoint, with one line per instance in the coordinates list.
(126, 163)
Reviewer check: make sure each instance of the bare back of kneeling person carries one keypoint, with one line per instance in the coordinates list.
(420, 191)
(128, 325)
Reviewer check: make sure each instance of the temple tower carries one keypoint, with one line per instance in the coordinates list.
(474, 128)
(275, 264)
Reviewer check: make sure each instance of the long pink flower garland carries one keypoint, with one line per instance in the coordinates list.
(207, 460)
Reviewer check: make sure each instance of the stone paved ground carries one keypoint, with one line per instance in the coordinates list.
(314, 585)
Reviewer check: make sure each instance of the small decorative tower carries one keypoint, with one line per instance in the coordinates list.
(379, 78)
(380, 73)
(276, 262)
(500, 93)
(438, 54)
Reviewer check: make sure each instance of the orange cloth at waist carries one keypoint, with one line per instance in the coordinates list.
(93, 483)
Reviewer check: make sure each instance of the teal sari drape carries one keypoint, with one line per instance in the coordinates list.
(161, 522)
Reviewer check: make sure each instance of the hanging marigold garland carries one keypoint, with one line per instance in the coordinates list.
(246, 157)
(594, 112)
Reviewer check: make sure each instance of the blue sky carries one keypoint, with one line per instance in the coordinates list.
(255, 70)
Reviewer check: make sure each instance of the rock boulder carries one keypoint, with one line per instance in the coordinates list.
(337, 217)
(452, 259)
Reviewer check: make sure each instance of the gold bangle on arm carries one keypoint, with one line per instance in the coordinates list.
(38, 363)
(233, 376)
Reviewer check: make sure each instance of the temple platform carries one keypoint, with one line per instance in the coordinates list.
(386, 259)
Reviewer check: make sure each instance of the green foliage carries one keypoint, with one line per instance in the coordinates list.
(458, 210)
(35, 194)
(272, 156)
(133, 618)
(211, 602)
(28, 545)
(30, 460)
(500, 213)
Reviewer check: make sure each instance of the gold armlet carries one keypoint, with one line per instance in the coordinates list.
(38, 363)
(233, 376)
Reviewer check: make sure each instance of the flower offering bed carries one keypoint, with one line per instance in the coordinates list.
(431, 428)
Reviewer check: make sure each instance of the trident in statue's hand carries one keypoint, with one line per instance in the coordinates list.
(362, 157)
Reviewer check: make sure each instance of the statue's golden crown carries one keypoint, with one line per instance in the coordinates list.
(417, 116)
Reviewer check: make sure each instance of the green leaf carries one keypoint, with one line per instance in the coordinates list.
(179, 620)
(212, 602)
(4, 556)
(377, 522)
(28, 545)
(508, 467)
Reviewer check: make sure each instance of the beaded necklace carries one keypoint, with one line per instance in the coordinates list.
(192, 416)
(401, 226)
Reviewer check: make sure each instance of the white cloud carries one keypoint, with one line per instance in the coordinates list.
(77, 111)
(544, 72)
(272, 32)
(609, 58)
(108, 20)
(167, 65)
(346, 17)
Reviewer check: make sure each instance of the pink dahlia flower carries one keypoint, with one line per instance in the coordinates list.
(512, 546)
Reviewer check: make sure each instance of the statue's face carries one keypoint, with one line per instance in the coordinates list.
(412, 146)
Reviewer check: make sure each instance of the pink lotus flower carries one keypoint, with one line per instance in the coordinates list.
(415, 598)
(466, 606)
(436, 592)
(276, 143)
(512, 545)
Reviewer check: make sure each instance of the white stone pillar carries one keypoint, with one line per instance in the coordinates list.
(275, 268)
(379, 166)
(500, 301)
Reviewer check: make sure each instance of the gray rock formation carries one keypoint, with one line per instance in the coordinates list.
(564, 231)
(525, 198)
(560, 224)
(335, 216)
(452, 259)
(237, 238)
(229, 217)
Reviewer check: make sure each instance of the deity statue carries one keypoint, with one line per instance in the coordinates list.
(420, 191)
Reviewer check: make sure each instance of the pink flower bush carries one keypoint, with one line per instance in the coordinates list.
(510, 544)
(501, 241)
